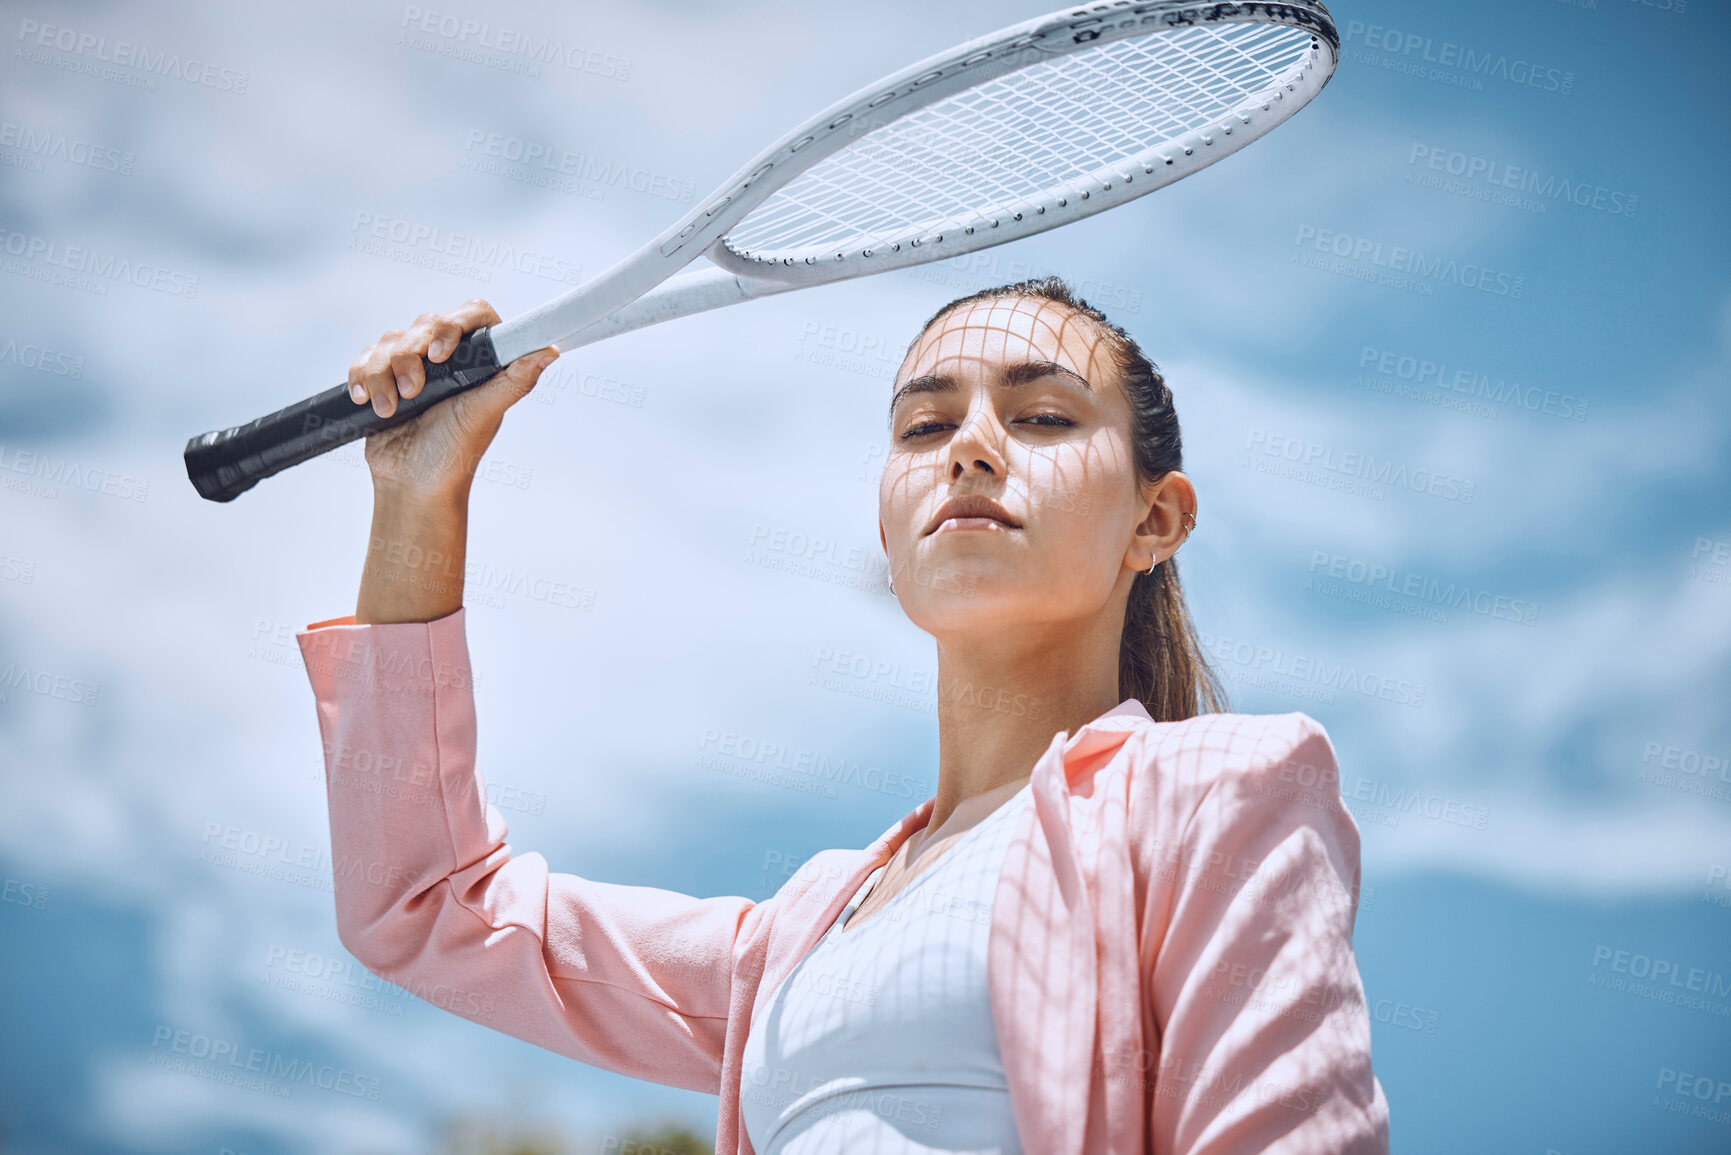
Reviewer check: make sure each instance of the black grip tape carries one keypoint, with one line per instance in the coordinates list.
(225, 463)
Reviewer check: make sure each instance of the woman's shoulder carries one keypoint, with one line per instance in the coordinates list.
(1244, 781)
(1225, 734)
(1234, 752)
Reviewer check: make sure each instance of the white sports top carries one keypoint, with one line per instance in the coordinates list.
(881, 1040)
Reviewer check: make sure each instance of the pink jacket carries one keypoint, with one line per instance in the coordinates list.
(1170, 962)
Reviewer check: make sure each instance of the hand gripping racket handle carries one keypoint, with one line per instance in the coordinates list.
(225, 463)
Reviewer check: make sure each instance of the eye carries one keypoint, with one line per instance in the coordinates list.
(1050, 420)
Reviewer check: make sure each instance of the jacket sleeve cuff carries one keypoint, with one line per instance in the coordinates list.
(390, 658)
(349, 620)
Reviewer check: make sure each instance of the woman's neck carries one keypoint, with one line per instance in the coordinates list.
(1002, 697)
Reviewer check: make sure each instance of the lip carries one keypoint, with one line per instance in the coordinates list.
(974, 508)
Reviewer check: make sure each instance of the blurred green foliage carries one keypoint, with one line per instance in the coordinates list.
(474, 1135)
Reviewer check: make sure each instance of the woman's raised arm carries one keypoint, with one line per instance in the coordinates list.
(428, 894)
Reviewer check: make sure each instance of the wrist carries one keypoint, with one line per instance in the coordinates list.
(420, 503)
(411, 472)
(415, 560)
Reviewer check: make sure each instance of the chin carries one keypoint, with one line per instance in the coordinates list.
(959, 599)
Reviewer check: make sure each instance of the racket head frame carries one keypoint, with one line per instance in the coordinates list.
(704, 229)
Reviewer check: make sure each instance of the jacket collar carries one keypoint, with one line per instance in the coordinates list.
(1123, 716)
(1101, 736)
(1053, 1111)
(1068, 758)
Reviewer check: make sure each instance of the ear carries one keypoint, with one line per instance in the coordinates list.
(882, 537)
(1162, 530)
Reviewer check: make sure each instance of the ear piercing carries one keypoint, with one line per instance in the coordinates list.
(1188, 529)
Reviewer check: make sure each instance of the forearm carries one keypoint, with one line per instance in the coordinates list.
(415, 558)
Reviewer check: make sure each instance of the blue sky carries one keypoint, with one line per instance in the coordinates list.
(1558, 355)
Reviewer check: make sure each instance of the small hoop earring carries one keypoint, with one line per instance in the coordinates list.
(892, 584)
(1188, 530)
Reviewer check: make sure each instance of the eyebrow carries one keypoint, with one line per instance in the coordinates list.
(1019, 373)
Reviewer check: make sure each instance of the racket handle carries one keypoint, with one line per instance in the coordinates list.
(225, 463)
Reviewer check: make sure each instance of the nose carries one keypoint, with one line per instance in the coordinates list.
(977, 444)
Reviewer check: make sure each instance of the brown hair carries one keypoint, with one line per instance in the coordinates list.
(1160, 659)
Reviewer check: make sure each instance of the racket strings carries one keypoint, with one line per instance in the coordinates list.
(1014, 142)
(1004, 180)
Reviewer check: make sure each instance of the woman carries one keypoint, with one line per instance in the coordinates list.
(1119, 926)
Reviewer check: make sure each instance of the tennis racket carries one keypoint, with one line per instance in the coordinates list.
(1006, 136)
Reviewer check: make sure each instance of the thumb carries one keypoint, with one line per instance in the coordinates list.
(486, 403)
(527, 369)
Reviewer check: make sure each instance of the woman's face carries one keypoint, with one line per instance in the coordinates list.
(1015, 400)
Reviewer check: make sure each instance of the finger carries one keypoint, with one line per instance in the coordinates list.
(472, 314)
(423, 335)
(408, 372)
(379, 381)
(448, 328)
(357, 370)
(419, 335)
(442, 337)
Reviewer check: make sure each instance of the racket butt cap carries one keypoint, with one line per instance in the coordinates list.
(213, 482)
